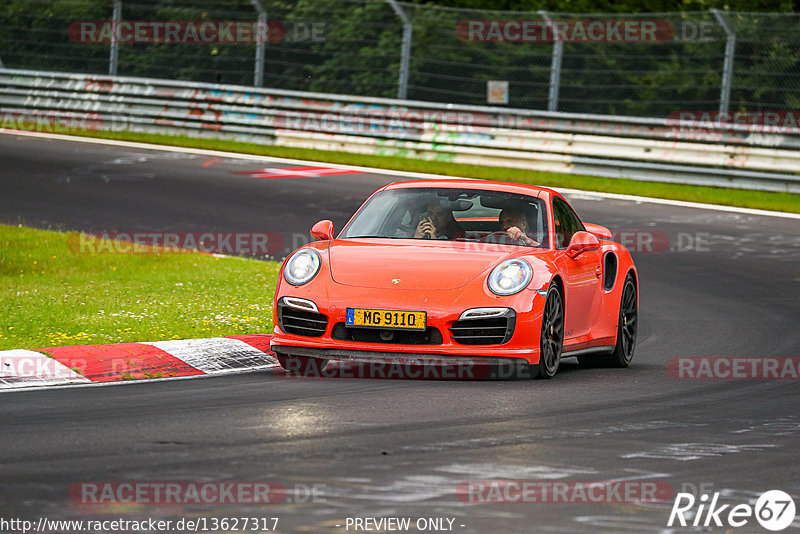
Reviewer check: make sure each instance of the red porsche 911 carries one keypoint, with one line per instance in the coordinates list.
(459, 270)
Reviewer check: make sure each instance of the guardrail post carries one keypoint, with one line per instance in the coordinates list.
(405, 49)
(555, 65)
(113, 59)
(727, 69)
(258, 74)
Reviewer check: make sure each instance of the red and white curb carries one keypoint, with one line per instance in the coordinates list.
(84, 364)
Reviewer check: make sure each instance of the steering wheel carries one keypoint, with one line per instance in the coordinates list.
(404, 230)
(501, 237)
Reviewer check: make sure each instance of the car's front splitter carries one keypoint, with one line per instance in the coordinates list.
(339, 363)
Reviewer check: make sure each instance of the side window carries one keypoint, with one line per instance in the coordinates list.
(566, 223)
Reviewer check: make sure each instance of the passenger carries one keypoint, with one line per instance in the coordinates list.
(439, 224)
(516, 227)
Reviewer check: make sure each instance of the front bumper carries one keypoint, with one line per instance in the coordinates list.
(443, 309)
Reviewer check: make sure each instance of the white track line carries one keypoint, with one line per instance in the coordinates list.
(234, 155)
(681, 203)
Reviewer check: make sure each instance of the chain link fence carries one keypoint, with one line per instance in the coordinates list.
(647, 65)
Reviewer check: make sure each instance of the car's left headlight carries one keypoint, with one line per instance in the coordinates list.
(302, 266)
(510, 277)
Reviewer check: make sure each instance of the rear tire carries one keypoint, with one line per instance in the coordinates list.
(627, 325)
(551, 340)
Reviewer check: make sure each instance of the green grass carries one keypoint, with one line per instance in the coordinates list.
(53, 295)
(712, 195)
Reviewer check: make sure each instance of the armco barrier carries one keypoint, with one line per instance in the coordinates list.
(629, 147)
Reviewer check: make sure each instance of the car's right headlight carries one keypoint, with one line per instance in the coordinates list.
(302, 266)
(510, 277)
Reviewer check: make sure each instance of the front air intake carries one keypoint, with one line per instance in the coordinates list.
(484, 331)
(429, 336)
(301, 322)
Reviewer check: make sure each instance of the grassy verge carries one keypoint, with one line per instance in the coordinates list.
(52, 295)
(712, 195)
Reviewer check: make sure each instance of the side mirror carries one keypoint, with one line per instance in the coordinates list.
(582, 242)
(323, 230)
(601, 232)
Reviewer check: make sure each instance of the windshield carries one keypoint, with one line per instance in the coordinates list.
(454, 215)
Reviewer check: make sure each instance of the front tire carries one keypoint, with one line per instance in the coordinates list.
(551, 340)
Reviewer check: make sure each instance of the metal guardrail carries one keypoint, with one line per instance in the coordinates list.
(620, 147)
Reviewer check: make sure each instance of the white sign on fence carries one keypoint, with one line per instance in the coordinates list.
(497, 92)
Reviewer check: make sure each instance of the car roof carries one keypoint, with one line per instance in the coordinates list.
(466, 183)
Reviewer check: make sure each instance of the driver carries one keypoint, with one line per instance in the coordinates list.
(439, 224)
(516, 227)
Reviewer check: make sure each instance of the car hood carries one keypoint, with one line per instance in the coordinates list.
(403, 264)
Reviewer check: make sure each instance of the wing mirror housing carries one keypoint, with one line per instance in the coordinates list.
(582, 242)
(323, 230)
(600, 232)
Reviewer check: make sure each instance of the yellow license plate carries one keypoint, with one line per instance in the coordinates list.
(407, 320)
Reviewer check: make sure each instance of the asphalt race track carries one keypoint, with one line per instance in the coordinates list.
(722, 285)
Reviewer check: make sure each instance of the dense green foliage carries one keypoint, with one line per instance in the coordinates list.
(353, 47)
(617, 6)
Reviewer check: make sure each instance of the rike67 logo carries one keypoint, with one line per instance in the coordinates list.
(774, 510)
